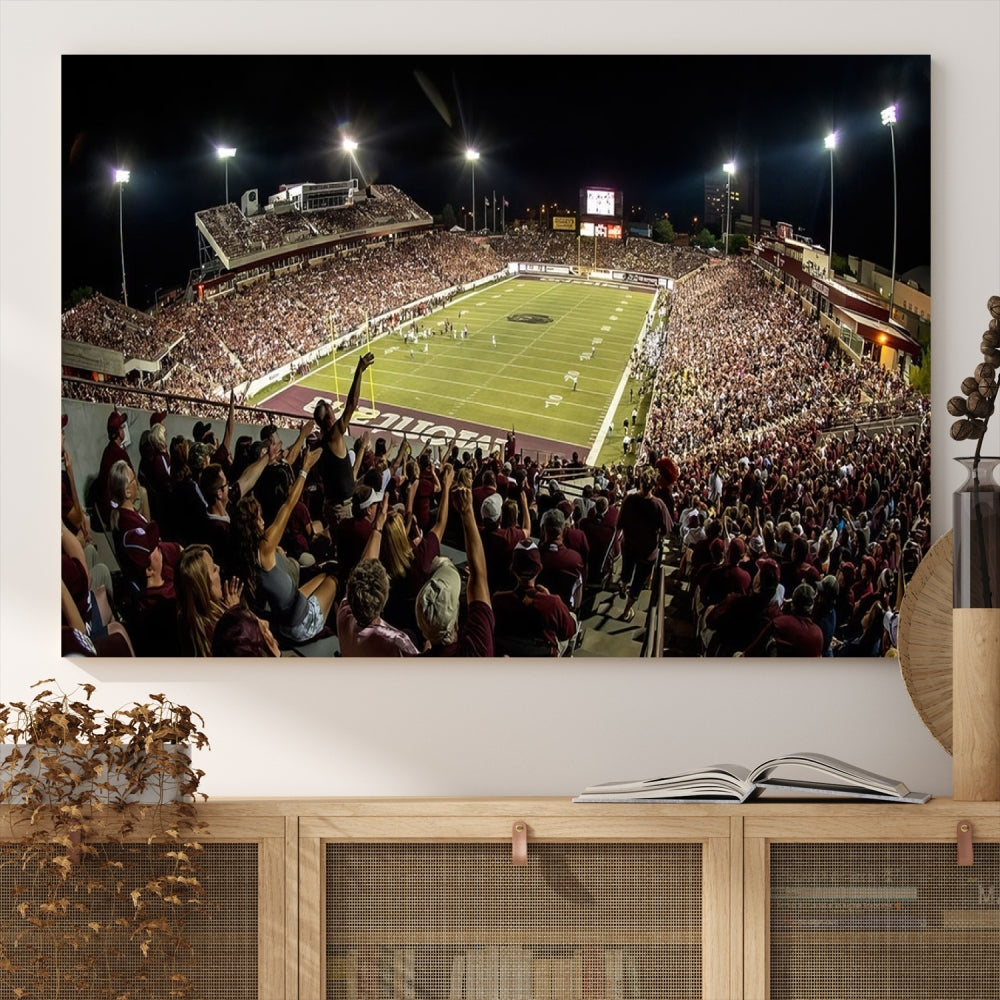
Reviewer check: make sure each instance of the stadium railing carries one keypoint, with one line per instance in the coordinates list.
(656, 616)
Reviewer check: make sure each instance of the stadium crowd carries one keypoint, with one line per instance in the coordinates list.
(238, 235)
(629, 254)
(235, 338)
(102, 322)
(742, 357)
(794, 539)
(745, 391)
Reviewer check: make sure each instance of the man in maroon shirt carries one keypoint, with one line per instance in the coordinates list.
(644, 520)
(501, 532)
(486, 488)
(792, 633)
(530, 620)
(504, 479)
(737, 620)
(573, 537)
(428, 486)
(562, 568)
(601, 528)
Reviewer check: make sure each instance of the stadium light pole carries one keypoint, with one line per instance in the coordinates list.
(889, 118)
(226, 153)
(831, 144)
(730, 169)
(350, 147)
(121, 179)
(472, 155)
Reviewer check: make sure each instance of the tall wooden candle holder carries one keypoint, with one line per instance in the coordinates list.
(976, 704)
(975, 662)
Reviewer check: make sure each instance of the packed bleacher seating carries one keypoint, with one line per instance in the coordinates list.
(102, 322)
(238, 236)
(633, 253)
(738, 358)
(745, 391)
(231, 339)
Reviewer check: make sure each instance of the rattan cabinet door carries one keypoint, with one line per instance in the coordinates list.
(459, 920)
(873, 906)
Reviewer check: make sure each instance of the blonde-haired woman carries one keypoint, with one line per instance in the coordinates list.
(125, 495)
(408, 560)
(202, 599)
(154, 470)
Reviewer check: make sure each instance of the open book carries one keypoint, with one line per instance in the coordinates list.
(798, 774)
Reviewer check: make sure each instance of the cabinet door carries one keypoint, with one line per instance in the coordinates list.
(58, 914)
(873, 920)
(456, 919)
(60, 937)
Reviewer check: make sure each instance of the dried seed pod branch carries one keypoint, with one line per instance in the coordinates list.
(975, 408)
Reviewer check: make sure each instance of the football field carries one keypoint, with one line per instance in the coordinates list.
(545, 356)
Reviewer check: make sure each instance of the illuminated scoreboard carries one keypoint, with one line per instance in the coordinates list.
(601, 213)
(603, 202)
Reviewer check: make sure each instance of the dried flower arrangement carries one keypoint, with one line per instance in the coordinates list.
(976, 407)
(99, 847)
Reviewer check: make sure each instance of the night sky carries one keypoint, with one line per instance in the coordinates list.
(545, 126)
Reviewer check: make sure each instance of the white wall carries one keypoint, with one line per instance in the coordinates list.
(335, 727)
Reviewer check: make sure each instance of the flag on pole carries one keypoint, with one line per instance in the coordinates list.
(506, 203)
(486, 201)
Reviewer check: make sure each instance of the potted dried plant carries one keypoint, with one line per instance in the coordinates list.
(99, 847)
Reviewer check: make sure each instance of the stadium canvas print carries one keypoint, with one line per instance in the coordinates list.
(397, 361)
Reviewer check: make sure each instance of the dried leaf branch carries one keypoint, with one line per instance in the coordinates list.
(100, 845)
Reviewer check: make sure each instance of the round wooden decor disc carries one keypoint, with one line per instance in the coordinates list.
(925, 638)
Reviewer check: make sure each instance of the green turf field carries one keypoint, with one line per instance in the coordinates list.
(567, 330)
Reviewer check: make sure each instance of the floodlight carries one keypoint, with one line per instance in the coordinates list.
(830, 143)
(472, 155)
(889, 118)
(350, 146)
(730, 169)
(121, 179)
(226, 153)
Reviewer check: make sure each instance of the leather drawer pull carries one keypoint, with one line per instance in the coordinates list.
(963, 836)
(519, 844)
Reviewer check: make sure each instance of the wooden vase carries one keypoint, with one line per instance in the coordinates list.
(976, 704)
